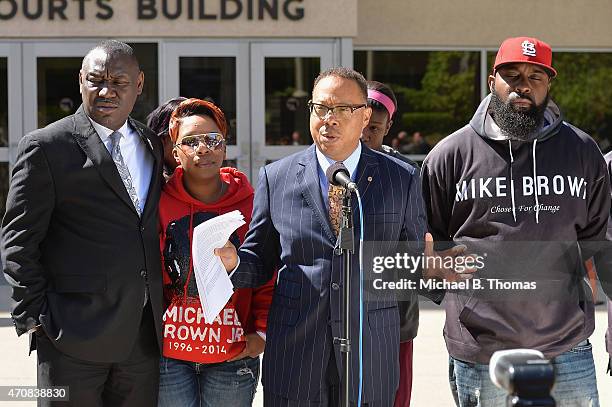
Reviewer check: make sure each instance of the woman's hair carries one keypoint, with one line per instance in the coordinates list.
(159, 119)
(385, 90)
(196, 107)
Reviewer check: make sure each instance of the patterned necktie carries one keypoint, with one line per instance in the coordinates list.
(334, 197)
(124, 171)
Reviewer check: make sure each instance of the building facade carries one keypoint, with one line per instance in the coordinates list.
(258, 59)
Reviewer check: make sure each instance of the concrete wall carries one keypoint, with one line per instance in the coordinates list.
(375, 23)
(484, 23)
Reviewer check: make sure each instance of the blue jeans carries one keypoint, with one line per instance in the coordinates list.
(575, 383)
(190, 384)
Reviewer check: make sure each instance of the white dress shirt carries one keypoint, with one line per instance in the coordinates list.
(325, 162)
(135, 155)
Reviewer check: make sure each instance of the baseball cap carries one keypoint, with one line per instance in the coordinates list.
(527, 50)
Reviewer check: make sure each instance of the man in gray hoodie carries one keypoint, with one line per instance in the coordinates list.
(608, 253)
(531, 194)
(609, 337)
(603, 261)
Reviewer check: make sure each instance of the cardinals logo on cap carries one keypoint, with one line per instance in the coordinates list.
(528, 48)
(525, 50)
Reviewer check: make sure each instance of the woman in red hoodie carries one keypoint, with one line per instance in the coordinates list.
(214, 364)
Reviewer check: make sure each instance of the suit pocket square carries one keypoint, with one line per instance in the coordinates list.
(80, 283)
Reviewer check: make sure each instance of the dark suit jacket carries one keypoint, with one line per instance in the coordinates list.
(408, 310)
(74, 248)
(290, 230)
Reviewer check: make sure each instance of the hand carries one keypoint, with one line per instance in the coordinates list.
(37, 330)
(228, 256)
(445, 273)
(255, 345)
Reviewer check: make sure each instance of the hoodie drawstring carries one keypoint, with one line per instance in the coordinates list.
(190, 254)
(535, 183)
(512, 181)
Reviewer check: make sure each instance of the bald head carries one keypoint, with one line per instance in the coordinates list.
(112, 48)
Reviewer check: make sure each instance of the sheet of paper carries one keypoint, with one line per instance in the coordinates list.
(214, 285)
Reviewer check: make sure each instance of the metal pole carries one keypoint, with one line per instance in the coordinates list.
(345, 348)
(346, 245)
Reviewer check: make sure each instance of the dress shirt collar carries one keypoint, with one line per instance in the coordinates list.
(350, 163)
(105, 132)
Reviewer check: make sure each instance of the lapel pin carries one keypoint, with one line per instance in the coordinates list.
(369, 179)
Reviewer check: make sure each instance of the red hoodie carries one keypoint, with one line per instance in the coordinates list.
(186, 335)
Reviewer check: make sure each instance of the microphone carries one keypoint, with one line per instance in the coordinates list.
(338, 175)
(526, 376)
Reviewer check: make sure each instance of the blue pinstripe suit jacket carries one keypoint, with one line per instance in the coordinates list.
(290, 231)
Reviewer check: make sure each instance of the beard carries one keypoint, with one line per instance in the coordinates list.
(514, 123)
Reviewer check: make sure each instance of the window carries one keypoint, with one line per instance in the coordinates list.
(582, 91)
(4, 168)
(288, 84)
(437, 92)
(3, 103)
(213, 79)
(148, 100)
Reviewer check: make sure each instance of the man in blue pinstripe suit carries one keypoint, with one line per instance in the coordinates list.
(291, 231)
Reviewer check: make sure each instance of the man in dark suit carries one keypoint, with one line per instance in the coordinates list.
(80, 244)
(292, 231)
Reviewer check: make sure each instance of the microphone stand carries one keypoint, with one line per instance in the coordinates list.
(346, 246)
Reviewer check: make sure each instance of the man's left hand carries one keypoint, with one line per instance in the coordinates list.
(444, 272)
(255, 346)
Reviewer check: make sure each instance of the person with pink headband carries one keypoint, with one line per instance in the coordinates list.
(384, 104)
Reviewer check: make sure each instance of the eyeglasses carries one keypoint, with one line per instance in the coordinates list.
(212, 141)
(340, 112)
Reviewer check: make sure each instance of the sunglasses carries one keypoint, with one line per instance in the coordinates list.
(212, 141)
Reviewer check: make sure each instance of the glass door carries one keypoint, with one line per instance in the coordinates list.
(54, 67)
(53, 92)
(282, 76)
(11, 124)
(216, 71)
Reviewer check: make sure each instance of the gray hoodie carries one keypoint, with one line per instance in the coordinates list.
(608, 253)
(609, 336)
(603, 261)
(479, 190)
